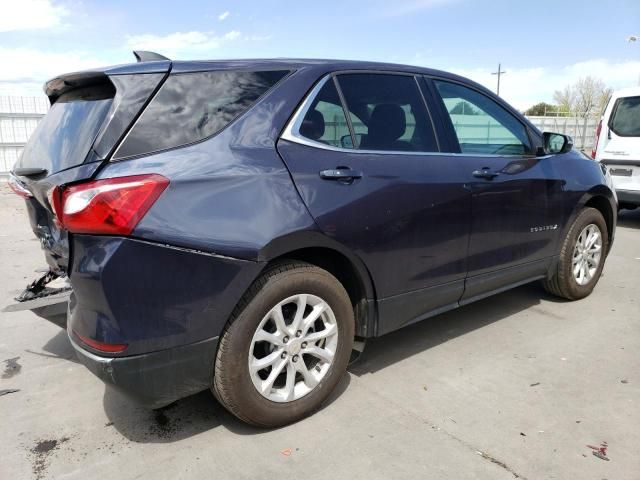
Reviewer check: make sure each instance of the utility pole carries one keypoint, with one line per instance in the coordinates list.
(498, 73)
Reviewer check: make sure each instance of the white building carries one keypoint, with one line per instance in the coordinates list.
(19, 117)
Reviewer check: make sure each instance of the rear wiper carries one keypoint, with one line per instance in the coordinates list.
(29, 171)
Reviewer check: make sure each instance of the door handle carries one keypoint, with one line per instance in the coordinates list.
(343, 174)
(485, 173)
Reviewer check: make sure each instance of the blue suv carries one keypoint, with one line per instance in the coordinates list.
(244, 225)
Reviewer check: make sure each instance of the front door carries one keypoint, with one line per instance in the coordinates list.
(517, 197)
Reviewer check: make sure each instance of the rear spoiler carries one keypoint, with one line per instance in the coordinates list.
(147, 62)
(144, 56)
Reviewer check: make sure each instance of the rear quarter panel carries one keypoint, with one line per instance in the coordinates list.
(230, 194)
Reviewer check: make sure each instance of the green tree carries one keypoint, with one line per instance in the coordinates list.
(541, 109)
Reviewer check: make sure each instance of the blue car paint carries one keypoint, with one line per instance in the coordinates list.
(423, 234)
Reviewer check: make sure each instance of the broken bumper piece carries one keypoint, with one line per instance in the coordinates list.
(47, 297)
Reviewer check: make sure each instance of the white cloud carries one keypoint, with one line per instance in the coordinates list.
(524, 87)
(223, 16)
(30, 15)
(30, 68)
(181, 43)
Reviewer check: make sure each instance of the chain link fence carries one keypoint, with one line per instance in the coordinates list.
(19, 117)
(580, 128)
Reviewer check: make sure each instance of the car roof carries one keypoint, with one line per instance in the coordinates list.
(310, 63)
(627, 92)
(321, 66)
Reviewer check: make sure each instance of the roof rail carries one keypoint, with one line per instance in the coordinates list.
(144, 56)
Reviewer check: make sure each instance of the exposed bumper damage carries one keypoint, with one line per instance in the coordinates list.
(47, 297)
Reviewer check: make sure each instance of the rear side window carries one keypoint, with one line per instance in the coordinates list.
(625, 120)
(482, 125)
(192, 106)
(325, 121)
(387, 112)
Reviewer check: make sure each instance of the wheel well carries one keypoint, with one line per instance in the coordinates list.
(602, 205)
(347, 274)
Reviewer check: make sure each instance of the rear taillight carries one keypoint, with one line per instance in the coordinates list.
(101, 346)
(594, 150)
(112, 206)
(18, 188)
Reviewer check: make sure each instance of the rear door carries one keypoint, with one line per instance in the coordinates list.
(88, 116)
(517, 202)
(90, 113)
(61, 141)
(621, 151)
(376, 182)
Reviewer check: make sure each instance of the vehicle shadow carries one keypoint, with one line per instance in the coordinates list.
(384, 351)
(58, 347)
(182, 419)
(629, 218)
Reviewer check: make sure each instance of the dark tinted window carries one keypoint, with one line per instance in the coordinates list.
(325, 121)
(482, 125)
(387, 112)
(193, 106)
(626, 117)
(65, 135)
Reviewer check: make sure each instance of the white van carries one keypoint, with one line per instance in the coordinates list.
(617, 145)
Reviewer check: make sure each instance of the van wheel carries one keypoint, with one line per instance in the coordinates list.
(581, 257)
(286, 346)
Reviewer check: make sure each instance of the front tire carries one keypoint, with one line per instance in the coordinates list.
(581, 258)
(286, 346)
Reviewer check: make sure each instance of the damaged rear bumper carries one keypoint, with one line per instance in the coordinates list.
(159, 378)
(47, 297)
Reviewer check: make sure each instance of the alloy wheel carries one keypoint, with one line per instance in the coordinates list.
(587, 254)
(293, 348)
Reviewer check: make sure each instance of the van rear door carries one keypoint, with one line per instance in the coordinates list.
(621, 152)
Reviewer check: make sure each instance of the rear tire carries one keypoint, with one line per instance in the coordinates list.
(286, 389)
(576, 253)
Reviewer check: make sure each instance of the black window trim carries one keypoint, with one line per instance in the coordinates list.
(292, 133)
(504, 106)
(614, 110)
(114, 158)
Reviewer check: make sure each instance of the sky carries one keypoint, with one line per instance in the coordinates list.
(542, 45)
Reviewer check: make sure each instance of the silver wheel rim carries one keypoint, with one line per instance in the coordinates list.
(293, 348)
(587, 254)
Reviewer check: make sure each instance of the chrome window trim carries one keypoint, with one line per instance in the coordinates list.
(291, 132)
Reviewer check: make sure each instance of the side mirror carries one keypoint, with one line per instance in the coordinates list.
(556, 143)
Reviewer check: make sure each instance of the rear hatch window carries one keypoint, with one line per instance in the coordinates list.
(193, 106)
(64, 136)
(625, 120)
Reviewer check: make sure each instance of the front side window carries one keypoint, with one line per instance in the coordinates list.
(626, 117)
(325, 121)
(387, 112)
(482, 125)
(192, 106)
